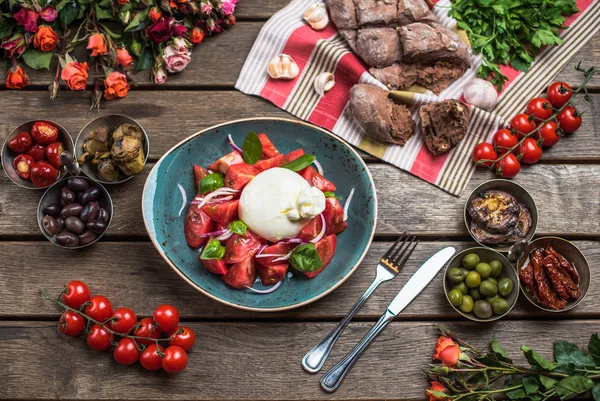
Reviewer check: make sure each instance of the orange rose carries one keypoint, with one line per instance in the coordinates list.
(447, 351)
(116, 86)
(196, 36)
(97, 44)
(123, 58)
(16, 78)
(75, 74)
(154, 14)
(436, 386)
(45, 39)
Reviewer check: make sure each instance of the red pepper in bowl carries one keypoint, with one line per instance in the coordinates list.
(38, 152)
(43, 174)
(53, 152)
(44, 133)
(20, 143)
(23, 165)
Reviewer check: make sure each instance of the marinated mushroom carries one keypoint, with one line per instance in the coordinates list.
(96, 142)
(128, 154)
(108, 170)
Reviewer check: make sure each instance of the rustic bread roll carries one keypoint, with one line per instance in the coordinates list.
(378, 47)
(410, 11)
(444, 124)
(376, 12)
(436, 77)
(342, 13)
(427, 44)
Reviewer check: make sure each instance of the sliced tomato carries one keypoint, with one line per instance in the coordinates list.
(311, 230)
(334, 216)
(317, 180)
(326, 248)
(266, 164)
(224, 212)
(270, 275)
(268, 149)
(216, 266)
(196, 223)
(222, 165)
(242, 274)
(293, 155)
(239, 175)
(277, 249)
(240, 247)
(199, 173)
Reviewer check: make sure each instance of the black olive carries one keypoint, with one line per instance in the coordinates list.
(67, 239)
(67, 196)
(91, 194)
(74, 225)
(103, 215)
(72, 209)
(60, 224)
(78, 196)
(50, 225)
(87, 237)
(90, 212)
(78, 184)
(52, 210)
(96, 226)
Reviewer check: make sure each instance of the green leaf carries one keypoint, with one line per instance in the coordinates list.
(536, 359)
(238, 227)
(499, 350)
(300, 163)
(252, 148)
(145, 60)
(594, 347)
(37, 59)
(545, 37)
(6, 28)
(572, 386)
(547, 382)
(140, 19)
(101, 13)
(566, 352)
(305, 258)
(329, 194)
(517, 394)
(68, 14)
(568, 368)
(210, 183)
(213, 250)
(438, 394)
(596, 392)
(110, 33)
(531, 384)
(61, 4)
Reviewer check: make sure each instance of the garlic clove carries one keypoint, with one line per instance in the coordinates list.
(283, 67)
(480, 93)
(316, 16)
(324, 82)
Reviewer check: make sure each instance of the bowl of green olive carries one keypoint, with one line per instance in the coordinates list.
(481, 284)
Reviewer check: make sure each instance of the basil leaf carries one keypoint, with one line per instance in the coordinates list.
(300, 163)
(252, 148)
(213, 250)
(210, 183)
(329, 194)
(238, 227)
(305, 258)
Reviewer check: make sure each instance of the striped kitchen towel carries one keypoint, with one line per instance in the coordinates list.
(326, 51)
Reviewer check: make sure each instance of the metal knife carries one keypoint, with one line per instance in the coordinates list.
(413, 287)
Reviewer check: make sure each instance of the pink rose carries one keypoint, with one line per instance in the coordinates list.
(160, 76)
(174, 61)
(28, 19)
(15, 45)
(180, 45)
(228, 6)
(206, 7)
(49, 14)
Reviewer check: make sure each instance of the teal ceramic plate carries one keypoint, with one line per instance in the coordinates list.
(162, 201)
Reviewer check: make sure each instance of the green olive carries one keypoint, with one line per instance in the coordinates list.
(500, 306)
(483, 269)
(475, 294)
(464, 271)
(482, 309)
(470, 260)
(505, 286)
(496, 268)
(462, 287)
(492, 280)
(473, 280)
(492, 299)
(467, 304)
(455, 275)
(488, 289)
(455, 297)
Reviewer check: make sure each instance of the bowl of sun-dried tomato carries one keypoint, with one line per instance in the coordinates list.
(554, 274)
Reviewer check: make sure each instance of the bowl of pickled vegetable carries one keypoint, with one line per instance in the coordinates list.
(481, 284)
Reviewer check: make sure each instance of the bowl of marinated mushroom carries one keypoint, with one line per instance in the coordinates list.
(111, 149)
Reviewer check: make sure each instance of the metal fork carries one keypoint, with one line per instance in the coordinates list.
(388, 267)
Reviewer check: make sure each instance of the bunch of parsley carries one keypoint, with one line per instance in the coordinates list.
(510, 32)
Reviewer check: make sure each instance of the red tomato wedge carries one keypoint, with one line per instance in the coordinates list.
(239, 248)
(196, 223)
(293, 155)
(239, 175)
(266, 164)
(311, 230)
(270, 275)
(317, 180)
(277, 249)
(223, 213)
(268, 149)
(199, 173)
(216, 266)
(222, 165)
(326, 248)
(334, 217)
(242, 274)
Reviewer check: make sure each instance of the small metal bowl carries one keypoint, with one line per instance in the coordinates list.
(112, 121)
(573, 255)
(486, 255)
(52, 195)
(518, 192)
(8, 155)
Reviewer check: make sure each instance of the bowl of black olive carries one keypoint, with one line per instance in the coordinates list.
(75, 212)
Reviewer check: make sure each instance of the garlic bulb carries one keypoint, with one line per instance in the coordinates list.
(323, 83)
(316, 16)
(480, 93)
(283, 67)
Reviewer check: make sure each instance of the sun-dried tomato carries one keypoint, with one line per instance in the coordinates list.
(564, 263)
(550, 265)
(547, 296)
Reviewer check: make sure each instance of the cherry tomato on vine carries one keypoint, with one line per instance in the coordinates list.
(183, 337)
(522, 124)
(126, 352)
(548, 133)
(540, 108)
(167, 317)
(123, 320)
(76, 294)
(559, 93)
(569, 119)
(484, 151)
(147, 328)
(150, 360)
(71, 324)
(99, 308)
(504, 140)
(530, 150)
(175, 359)
(508, 167)
(99, 338)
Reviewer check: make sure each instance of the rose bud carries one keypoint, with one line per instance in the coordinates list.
(123, 58)
(75, 74)
(53, 152)
(16, 78)
(97, 45)
(436, 386)
(20, 143)
(230, 20)
(154, 14)
(15, 45)
(45, 39)
(38, 152)
(123, 2)
(48, 14)
(43, 174)
(160, 75)
(196, 36)
(447, 351)
(44, 133)
(23, 165)
(53, 88)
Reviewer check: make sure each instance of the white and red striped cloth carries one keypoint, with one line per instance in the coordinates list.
(326, 51)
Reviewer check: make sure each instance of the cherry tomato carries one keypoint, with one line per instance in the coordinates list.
(559, 93)
(484, 151)
(540, 108)
(44, 133)
(23, 165)
(504, 140)
(522, 124)
(53, 152)
(548, 133)
(183, 337)
(43, 174)
(150, 360)
(569, 119)
(530, 150)
(38, 152)
(123, 320)
(100, 308)
(71, 324)
(508, 167)
(76, 294)
(146, 328)
(126, 352)
(20, 143)
(99, 338)
(167, 317)
(175, 359)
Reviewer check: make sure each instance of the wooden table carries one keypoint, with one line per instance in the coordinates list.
(242, 355)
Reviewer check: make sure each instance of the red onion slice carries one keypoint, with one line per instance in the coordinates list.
(184, 198)
(285, 257)
(319, 167)
(292, 241)
(269, 255)
(268, 291)
(347, 204)
(225, 235)
(233, 145)
(323, 229)
(214, 233)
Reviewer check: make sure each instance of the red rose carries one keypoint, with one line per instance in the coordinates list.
(161, 30)
(27, 18)
(16, 78)
(178, 30)
(447, 351)
(15, 45)
(436, 386)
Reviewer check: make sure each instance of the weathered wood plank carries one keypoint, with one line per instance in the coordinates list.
(133, 274)
(251, 361)
(259, 9)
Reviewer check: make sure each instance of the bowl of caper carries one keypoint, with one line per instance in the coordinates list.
(481, 284)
